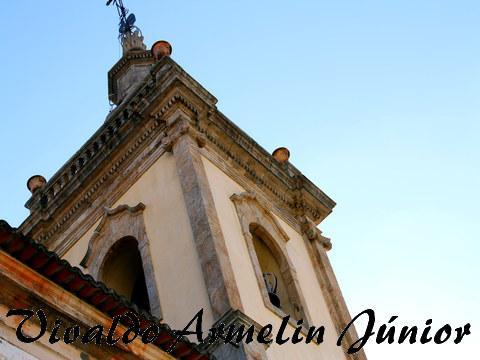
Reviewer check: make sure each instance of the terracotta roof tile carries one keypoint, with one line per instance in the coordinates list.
(85, 287)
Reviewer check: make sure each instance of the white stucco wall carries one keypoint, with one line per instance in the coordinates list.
(177, 268)
(178, 273)
(223, 187)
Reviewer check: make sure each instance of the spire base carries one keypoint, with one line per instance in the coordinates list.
(133, 42)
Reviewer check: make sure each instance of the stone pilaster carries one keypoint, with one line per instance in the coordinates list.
(211, 247)
(212, 251)
(318, 246)
(254, 350)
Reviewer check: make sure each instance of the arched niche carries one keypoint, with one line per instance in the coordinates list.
(121, 229)
(266, 242)
(122, 270)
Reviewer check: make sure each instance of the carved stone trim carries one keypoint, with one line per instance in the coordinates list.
(167, 87)
(63, 183)
(133, 160)
(254, 351)
(216, 266)
(259, 212)
(284, 183)
(255, 218)
(70, 192)
(177, 98)
(313, 233)
(90, 192)
(317, 246)
(117, 224)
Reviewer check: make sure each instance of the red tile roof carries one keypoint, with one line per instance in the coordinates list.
(72, 279)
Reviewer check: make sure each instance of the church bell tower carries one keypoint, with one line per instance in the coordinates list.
(174, 207)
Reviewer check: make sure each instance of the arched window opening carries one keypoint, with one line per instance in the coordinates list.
(123, 271)
(274, 272)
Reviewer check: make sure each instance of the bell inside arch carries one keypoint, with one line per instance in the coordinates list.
(271, 283)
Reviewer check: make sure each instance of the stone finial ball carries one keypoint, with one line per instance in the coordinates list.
(282, 155)
(36, 182)
(160, 49)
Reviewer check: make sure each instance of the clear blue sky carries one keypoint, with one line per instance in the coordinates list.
(377, 100)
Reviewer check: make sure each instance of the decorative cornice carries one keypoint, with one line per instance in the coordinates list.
(300, 196)
(176, 129)
(55, 200)
(177, 98)
(131, 59)
(130, 56)
(133, 125)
